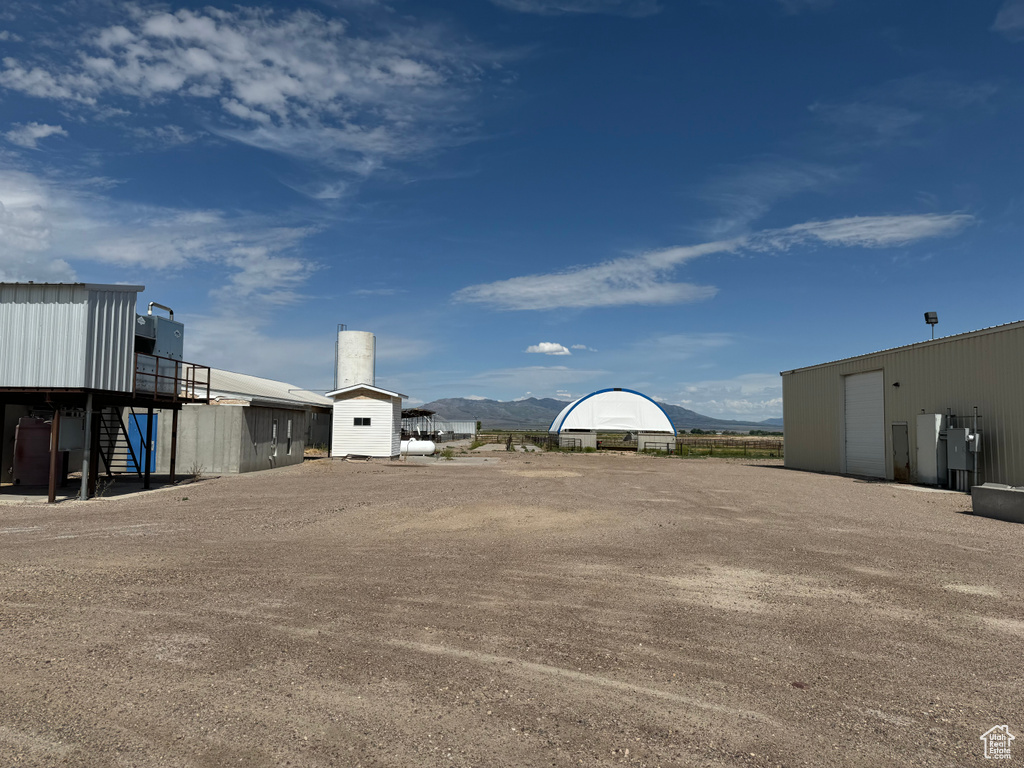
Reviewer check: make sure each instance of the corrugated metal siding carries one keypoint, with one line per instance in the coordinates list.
(66, 337)
(984, 370)
(111, 339)
(42, 336)
(382, 438)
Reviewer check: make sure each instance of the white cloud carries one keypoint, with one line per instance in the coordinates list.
(7, 36)
(354, 100)
(746, 193)
(240, 342)
(634, 8)
(26, 207)
(893, 110)
(29, 134)
(1010, 20)
(632, 280)
(646, 279)
(863, 231)
(753, 396)
(583, 347)
(679, 346)
(46, 225)
(879, 122)
(548, 348)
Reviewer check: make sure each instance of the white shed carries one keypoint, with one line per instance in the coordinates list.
(367, 421)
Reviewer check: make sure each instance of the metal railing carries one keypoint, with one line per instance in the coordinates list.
(171, 380)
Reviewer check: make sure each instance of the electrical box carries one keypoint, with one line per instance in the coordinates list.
(160, 343)
(160, 336)
(931, 456)
(72, 433)
(958, 448)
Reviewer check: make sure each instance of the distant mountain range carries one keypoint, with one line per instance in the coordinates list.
(538, 413)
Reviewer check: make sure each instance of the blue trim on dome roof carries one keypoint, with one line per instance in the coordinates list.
(601, 392)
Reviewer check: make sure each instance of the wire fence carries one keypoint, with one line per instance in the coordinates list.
(683, 445)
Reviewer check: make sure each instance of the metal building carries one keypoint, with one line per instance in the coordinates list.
(908, 413)
(421, 424)
(249, 424)
(72, 358)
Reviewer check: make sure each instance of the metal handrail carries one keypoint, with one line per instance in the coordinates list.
(188, 383)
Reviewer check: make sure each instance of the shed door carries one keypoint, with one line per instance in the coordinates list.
(865, 425)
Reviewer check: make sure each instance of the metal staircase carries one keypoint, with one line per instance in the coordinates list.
(115, 449)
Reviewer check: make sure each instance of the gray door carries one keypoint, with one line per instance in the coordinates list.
(865, 425)
(900, 453)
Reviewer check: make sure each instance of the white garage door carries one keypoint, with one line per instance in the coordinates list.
(865, 425)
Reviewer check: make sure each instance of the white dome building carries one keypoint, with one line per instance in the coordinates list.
(613, 410)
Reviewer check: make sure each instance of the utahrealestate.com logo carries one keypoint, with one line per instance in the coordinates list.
(997, 742)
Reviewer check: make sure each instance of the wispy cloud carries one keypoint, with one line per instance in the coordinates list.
(548, 348)
(378, 291)
(29, 134)
(26, 208)
(583, 347)
(634, 280)
(1010, 20)
(754, 396)
(892, 110)
(862, 231)
(356, 101)
(746, 193)
(679, 346)
(46, 226)
(646, 279)
(635, 8)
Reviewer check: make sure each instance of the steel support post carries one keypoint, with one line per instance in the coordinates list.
(83, 492)
(148, 452)
(54, 454)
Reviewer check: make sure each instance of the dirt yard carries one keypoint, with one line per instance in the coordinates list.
(528, 610)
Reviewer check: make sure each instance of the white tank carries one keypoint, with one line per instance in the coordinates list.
(417, 448)
(357, 351)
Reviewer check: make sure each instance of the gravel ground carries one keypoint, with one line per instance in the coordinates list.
(533, 609)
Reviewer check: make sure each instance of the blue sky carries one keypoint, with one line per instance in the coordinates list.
(525, 197)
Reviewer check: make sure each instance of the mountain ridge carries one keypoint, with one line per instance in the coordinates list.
(538, 413)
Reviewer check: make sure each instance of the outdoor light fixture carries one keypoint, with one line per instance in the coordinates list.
(932, 318)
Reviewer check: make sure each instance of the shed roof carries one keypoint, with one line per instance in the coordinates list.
(230, 385)
(348, 390)
(614, 410)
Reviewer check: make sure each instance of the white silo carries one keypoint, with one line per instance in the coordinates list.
(356, 355)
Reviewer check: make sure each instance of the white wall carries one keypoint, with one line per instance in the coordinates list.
(381, 439)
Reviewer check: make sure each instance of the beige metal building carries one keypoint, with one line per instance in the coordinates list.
(887, 414)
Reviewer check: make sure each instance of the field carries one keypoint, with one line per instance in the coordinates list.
(510, 609)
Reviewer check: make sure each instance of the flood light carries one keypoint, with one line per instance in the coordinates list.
(932, 318)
